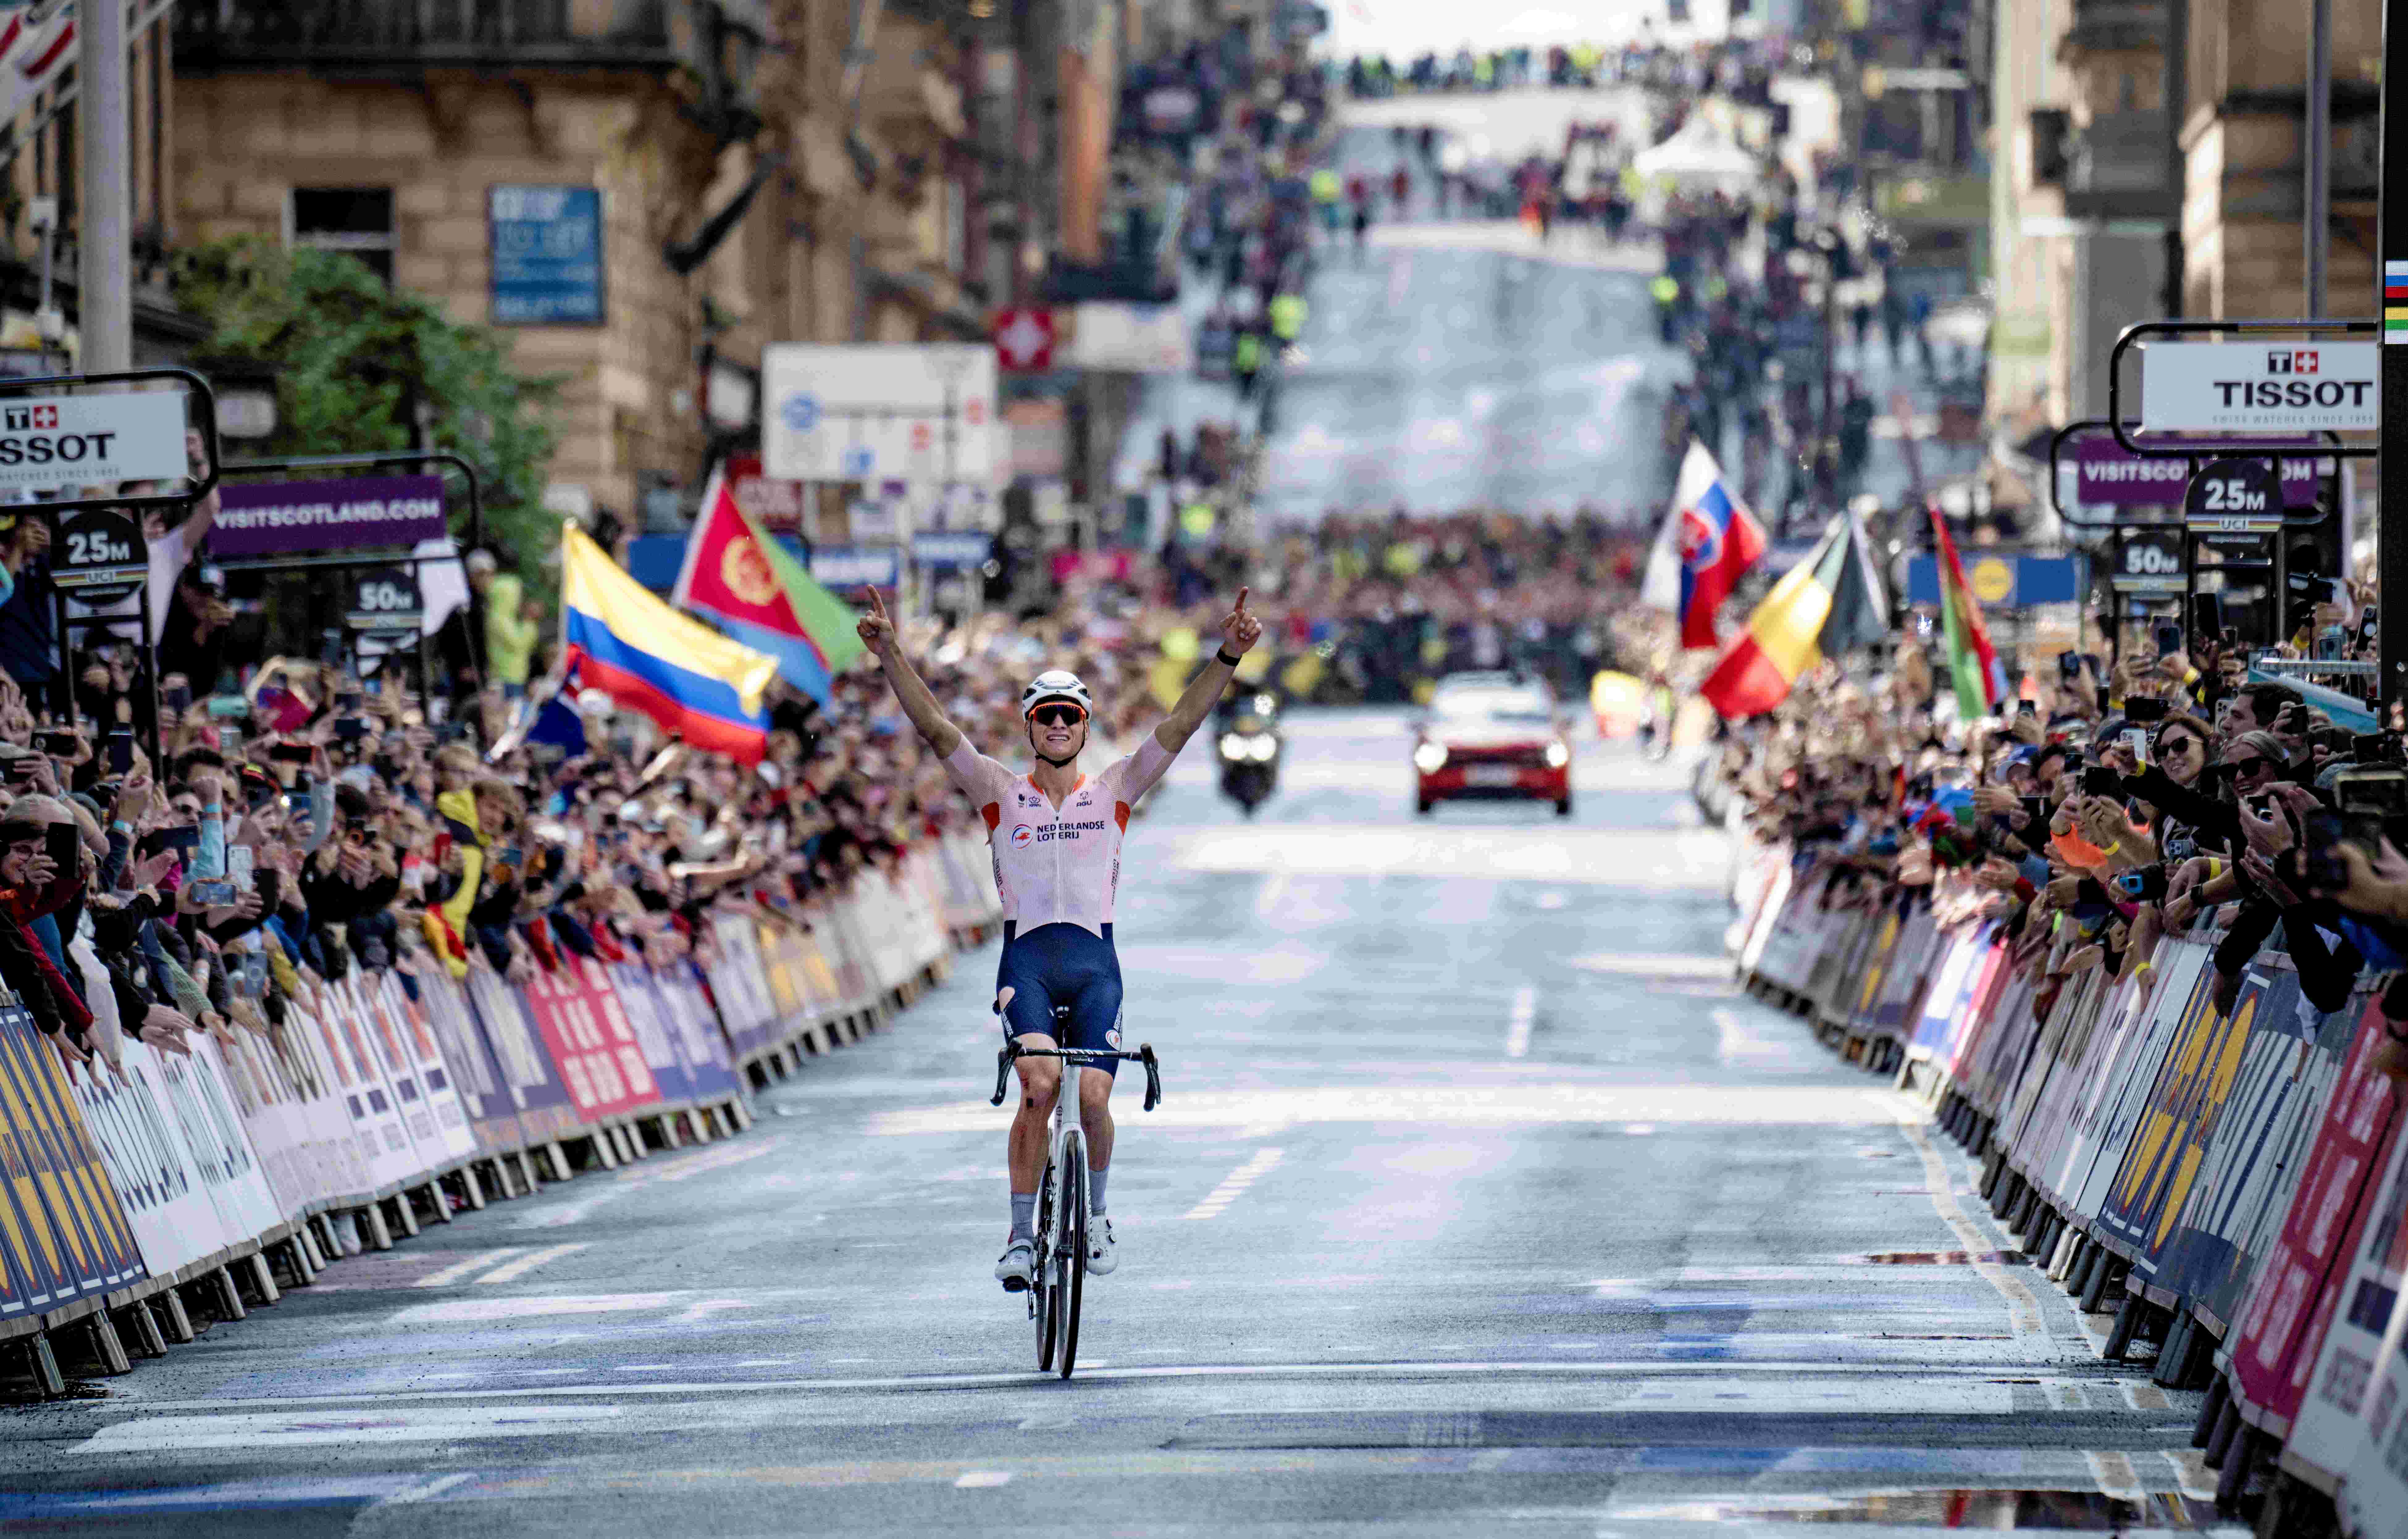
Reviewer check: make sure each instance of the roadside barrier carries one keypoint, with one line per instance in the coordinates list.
(2231, 1187)
(177, 1188)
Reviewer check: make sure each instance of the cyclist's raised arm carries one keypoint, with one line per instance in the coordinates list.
(1239, 633)
(878, 631)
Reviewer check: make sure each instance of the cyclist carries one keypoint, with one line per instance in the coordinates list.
(1056, 838)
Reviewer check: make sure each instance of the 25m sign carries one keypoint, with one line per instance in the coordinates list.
(2252, 388)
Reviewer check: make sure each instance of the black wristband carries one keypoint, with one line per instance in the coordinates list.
(1223, 655)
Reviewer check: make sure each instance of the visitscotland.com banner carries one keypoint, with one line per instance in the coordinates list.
(303, 518)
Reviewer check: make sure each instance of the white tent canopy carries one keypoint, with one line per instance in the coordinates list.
(1702, 156)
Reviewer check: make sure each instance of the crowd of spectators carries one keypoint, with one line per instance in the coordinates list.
(2172, 797)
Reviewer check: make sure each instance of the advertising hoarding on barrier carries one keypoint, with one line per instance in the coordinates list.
(142, 1147)
(2203, 1044)
(63, 1234)
(438, 1124)
(541, 1100)
(2332, 1423)
(2292, 1297)
(475, 1078)
(50, 443)
(740, 988)
(655, 1036)
(2373, 1497)
(2287, 1066)
(347, 513)
(592, 1042)
(365, 1095)
(221, 1151)
(2258, 389)
(693, 1027)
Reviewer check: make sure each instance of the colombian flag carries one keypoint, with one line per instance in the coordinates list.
(1825, 604)
(1972, 663)
(746, 584)
(680, 672)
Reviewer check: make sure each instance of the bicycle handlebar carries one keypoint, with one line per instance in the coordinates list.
(1013, 1050)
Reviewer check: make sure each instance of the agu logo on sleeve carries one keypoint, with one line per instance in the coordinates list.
(1022, 836)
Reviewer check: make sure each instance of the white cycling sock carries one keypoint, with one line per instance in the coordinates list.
(1095, 1174)
(1023, 1214)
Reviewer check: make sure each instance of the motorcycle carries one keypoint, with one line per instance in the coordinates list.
(1250, 747)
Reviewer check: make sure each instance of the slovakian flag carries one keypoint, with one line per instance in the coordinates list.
(748, 585)
(1972, 663)
(1829, 603)
(1707, 542)
(618, 637)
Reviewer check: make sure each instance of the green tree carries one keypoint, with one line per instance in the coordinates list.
(353, 360)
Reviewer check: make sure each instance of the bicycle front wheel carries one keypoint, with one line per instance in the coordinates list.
(1070, 1258)
(1040, 1302)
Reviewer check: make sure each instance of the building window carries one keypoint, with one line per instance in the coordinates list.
(358, 220)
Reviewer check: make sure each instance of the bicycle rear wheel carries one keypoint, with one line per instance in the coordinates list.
(1070, 1257)
(1040, 1304)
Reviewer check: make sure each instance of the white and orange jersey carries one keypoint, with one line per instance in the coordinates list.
(1057, 865)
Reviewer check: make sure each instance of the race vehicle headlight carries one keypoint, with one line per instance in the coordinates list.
(1429, 758)
(1558, 756)
(1262, 747)
(1233, 745)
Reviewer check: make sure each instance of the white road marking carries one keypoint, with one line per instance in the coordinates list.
(474, 1311)
(1234, 1183)
(427, 1490)
(1689, 861)
(1644, 966)
(982, 1479)
(683, 1167)
(152, 1436)
(1517, 1024)
(1471, 1104)
(513, 1271)
(2191, 1474)
(2023, 1310)
(458, 1270)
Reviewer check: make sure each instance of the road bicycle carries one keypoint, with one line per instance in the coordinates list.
(1059, 1280)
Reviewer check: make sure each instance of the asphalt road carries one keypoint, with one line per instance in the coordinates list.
(1480, 1201)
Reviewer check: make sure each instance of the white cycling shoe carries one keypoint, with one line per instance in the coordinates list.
(1016, 1265)
(1101, 1259)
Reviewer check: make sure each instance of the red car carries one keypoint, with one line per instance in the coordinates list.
(1492, 736)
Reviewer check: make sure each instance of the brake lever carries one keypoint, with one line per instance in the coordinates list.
(1152, 1075)
(1003, 1057)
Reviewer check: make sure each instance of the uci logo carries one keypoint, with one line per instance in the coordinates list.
(1022, 836)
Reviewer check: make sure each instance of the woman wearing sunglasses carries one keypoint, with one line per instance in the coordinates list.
(1056, 838)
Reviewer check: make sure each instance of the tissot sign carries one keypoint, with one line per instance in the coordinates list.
(2249, 388)
(82, 440)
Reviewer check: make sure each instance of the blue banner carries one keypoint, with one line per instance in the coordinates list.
(547, 255)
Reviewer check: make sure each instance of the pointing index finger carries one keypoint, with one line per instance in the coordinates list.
(877, 604)
(1241, 599)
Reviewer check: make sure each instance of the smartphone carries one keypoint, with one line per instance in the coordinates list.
(121, 751)
(2367, 619)
(224, 705)
(2377, 793)
(2036, 816)
(2169, 637)
(2069, 668)
(2132, 884)
(292, 753)
(511, 856)
(2373, 747)
(2207, 614)
(59, 842)
(350, 729)
(242, 864)
(2099, 780)
(2144, 711)
(177, 698)
(271, 890)
(2027, 707)
(296, 802)
(216, 893)
(58, 741)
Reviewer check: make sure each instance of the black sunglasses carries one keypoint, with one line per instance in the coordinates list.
(2240, 767)
(1057, 716)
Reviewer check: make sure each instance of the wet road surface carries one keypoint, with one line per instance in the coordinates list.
(1480, 1201)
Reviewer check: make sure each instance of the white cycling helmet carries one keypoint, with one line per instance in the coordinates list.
(1055, 684)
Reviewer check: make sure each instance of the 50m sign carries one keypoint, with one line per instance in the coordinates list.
(48, 443)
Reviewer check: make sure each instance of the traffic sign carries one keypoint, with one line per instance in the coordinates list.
(1023, 338)
(2234, 497)
(101, 557)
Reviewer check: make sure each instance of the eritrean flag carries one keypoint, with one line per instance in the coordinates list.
(747, 584)
(1980, 682)
(1824, 605)
(693, 681)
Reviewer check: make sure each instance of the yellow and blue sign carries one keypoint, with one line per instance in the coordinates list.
(63, 1232)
